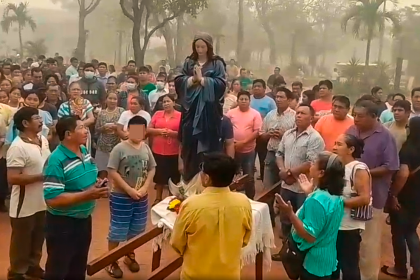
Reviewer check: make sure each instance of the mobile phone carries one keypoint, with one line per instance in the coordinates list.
(104, 183)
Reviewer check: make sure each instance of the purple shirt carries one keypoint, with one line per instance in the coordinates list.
(380, 150)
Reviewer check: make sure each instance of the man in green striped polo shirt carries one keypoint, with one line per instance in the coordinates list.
(70, 191)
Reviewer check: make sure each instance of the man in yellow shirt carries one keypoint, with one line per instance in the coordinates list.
(214, 226)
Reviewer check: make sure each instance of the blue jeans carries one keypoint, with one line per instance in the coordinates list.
(246, 161)
(403, 230)
(297, 200)
(271, 171)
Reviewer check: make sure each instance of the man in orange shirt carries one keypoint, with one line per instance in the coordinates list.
(335, 124)
(322, 105)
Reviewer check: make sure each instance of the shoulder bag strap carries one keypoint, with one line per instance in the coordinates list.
(415, 171)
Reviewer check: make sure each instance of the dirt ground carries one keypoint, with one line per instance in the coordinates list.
(144, 254)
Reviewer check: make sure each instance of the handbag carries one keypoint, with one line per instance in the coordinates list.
(292, 258)
(362, 213)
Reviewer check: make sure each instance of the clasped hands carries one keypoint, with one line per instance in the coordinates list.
(198, 74)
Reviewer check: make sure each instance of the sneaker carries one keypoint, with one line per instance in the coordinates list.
(132, 264)
(114, 270)
(35, 272)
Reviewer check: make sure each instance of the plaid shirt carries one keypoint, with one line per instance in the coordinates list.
(274, 120)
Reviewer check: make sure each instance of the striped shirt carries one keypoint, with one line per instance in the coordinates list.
(66, 110)
(273, 121)
(65, 172)
(298, 149)
(321, 215)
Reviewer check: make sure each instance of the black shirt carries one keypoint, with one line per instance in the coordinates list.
(409, 196)
(226, 132)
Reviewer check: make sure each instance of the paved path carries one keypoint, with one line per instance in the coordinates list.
(144, 254)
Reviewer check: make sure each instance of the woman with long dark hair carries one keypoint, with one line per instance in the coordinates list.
(163, 130)
(231, 96)
(106, 130)
(316, 223)
(405, 208)
(357, 193)
(201, 86)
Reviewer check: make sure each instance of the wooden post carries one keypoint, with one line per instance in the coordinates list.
(259, 266)
(156, 258)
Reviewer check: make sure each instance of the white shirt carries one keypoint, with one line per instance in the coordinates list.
(154, 97)
(127, 115)
(31, 158)
(348, 223)
(335, 76)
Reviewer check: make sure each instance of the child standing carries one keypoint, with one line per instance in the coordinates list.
(131, 168)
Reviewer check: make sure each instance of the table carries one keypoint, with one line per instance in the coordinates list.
(262, 236)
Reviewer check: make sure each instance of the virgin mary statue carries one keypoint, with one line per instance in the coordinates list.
(201, 87)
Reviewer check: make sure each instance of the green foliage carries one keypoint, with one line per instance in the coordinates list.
(190, 7)
(17, 14)
(35, 48)
(368, 19)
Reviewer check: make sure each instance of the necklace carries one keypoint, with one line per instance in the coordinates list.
(108, 111)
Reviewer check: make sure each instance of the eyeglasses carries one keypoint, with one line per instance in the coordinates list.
(36, 118)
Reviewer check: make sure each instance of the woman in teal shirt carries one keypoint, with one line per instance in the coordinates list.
(316, 223)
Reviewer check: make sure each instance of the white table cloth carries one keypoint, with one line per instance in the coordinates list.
(262, 236)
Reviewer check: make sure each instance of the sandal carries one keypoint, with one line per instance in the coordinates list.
(132, 264)
(114, 270)
(385, 271)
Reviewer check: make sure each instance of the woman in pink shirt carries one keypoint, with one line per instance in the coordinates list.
(163, 130)
(247, 124)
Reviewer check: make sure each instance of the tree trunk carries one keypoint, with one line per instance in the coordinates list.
(368, 44)
(271, 41)
(170, 51)
(81, 42)
(381, 38)
(20, 43)
(324, 45)
(138, 51)
(120, 40)
(240, 36)
(179, 34)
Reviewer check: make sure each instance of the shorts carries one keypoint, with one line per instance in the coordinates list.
(166, 168)
(128, 217)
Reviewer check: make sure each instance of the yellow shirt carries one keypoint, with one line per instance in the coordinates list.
(6, 115)
(209, 233)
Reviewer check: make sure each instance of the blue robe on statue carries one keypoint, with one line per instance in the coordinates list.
(201, 113)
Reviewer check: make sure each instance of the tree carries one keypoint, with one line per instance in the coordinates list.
(141, 16)
(240, 35)
(368, 19)
(35, 48)
(17, 14)
(84, 11)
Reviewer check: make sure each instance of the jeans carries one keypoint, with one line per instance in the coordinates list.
(403, 230)
(307, 276)
(68, 241)
(271, 171)
(297, 200)
(348, 246)
(261, 151)
(246, 161)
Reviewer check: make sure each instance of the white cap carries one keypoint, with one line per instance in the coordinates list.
(35, 65)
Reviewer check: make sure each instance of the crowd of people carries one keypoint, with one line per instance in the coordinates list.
(73, 134)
